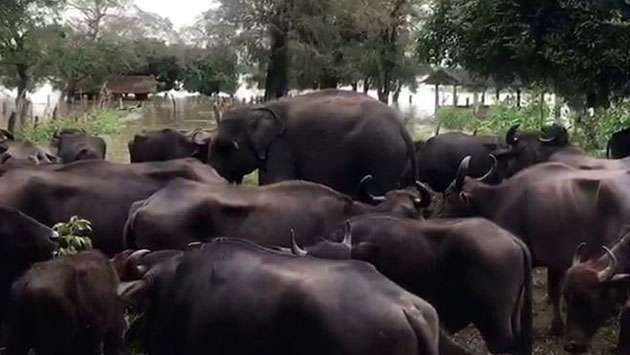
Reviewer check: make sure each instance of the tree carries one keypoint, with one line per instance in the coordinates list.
(92, 13)
(26, 26)
(575, 47)
(213, 72)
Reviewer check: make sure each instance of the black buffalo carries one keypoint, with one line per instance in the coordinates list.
(552, 207)
(456, 265)
(17, 153)
(439, 157)
(73, 145)
(528, 148)
(23, 241)
(234, 297)
(619, 145)
(99, 191)
(168, 144)
(596, 290)
(67, 306)
(186, 211)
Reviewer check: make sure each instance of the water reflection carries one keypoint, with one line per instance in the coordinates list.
(196, 112)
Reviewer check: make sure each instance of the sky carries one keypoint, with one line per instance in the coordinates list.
(180, 12)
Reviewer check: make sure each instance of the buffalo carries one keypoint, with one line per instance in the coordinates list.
(99, 191)
(168, 144)
(67, 306)
(234, 297)
(439, 157)
(618, 146)
(23, 241)
(596, 289)
(186, 211)
(456, 265)
(552, 207)
(73, 145)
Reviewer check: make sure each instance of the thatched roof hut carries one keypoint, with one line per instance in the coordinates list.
(139, 85)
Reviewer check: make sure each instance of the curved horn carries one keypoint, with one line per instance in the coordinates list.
(363, 188)
(425, 195)
(577, 255)
(295, 248)
(462, 172)
(547, 140)
(347, 235)
(609, 271)
(236, 145)
(493, 168)
(137, 255)
(195, 245)
(510, 136)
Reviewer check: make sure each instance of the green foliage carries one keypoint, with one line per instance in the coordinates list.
(74, 236)
(97, 122)
(456, 118)
(593, 133)
(576, 48)
(216, 71)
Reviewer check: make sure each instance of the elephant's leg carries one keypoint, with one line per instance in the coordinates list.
(554, 284)
(279, 166)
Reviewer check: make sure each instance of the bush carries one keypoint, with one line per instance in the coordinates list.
(501, 117)
(456, 118)
(97, 122)
(74, 236)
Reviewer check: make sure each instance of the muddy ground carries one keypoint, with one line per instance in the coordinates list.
(544, 344)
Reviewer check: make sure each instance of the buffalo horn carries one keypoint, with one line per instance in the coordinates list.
(510, 137)
(492, 170)
(547, 140)
(236, 145)
(462, 172)
(363, 187)
(137, 255)
(425, 195)
(577, 256)
(609, 271)
(347, 236)
(295, 248)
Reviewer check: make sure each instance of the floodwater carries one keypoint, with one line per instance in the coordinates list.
(196, 112)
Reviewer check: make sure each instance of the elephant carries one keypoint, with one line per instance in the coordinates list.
(331, 137)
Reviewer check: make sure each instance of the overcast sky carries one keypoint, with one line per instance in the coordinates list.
(181, 12)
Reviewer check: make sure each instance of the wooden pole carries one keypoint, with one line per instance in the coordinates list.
(437, 99)
(454, 95)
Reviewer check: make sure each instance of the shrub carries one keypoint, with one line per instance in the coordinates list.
(97, 122)
(456, 118)
(74, 236)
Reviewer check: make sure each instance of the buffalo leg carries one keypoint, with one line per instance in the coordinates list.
(623, 345)
(113, 343)
(554, 284)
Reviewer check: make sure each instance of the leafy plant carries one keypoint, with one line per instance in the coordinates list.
(74, 236)
(456, 118)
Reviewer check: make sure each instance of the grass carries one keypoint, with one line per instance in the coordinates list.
(97, 122)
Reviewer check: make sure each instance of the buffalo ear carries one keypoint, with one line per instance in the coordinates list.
(264, 127)
(132, 292)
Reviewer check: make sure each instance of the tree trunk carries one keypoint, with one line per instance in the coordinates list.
(20, 100)
(397, 93)
(437, 99)
(276, 82)
(366, 85)
(518, 98)
(355, 86)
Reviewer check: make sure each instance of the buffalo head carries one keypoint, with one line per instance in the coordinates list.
(408, 202)
(326, 248)
(593, 294)
(458, 199)
(531, 147)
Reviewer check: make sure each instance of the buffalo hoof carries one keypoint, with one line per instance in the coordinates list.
(557, 327)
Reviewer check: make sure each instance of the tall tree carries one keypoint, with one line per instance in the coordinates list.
(577, 48)
(25, 29)
(92, 13)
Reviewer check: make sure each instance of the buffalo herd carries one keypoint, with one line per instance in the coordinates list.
(356, 241)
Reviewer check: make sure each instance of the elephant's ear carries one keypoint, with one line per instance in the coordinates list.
(264, 127)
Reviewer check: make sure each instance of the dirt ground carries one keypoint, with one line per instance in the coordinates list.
(544, 344)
